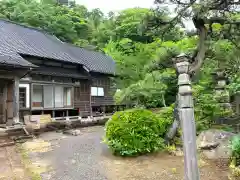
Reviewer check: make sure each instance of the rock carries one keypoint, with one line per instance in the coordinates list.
(212, 138)
(74, 132)
(215, 143)
(178, 152)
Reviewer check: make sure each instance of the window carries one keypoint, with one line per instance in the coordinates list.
(67, 96)
(58, 96)
(48, 96)
(22, 97)
(94, 91)
(100, 92)
(97, 91)
(37, 98)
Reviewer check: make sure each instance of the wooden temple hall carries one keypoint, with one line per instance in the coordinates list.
(39, 74)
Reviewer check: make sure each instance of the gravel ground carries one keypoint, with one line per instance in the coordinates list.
(75, 157)
(84, 157)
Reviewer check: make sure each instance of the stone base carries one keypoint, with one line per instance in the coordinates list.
(9, 122)
(73, 132)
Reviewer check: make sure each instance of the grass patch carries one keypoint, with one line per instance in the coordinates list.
(33, 169)
(34, 175)
(234, 171)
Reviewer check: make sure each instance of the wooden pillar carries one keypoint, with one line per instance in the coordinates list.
(187, 120)
(79, 114)
(90, 103)
(5, 115)
(53, 114)
(16, 100)
(103, 109)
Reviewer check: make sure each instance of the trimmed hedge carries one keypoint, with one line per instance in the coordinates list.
(135, 132)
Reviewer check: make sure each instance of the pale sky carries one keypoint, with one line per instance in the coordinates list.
(115, 5)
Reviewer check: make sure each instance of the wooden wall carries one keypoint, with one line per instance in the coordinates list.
(82, 93)
(82, 96)
(105, 82)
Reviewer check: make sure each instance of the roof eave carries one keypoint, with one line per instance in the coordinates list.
(19, 66)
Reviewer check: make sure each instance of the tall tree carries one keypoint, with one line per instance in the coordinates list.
(204, 14)
(68, 24)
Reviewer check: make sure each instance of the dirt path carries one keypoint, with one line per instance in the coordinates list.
(161, 166)
(85, 157)
(11, 167)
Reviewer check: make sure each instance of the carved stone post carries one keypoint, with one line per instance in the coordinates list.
(187, 120)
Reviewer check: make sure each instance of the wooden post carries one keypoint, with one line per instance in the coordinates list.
(16, 100)
(5, 103)
(103, 110)
(53, 113)
(187, 120)
(90, 102)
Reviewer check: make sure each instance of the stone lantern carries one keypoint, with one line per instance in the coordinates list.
(221, 91)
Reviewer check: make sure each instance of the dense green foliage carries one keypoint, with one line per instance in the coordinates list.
(143, 53)
(207, 107)
(125, 36)
(235, 146)
(136, 131)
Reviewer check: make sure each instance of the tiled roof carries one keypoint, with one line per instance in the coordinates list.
(14, 60)
(33, 42)
(16, 40)
(94, 61)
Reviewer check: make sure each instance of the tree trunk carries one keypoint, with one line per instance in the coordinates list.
(163, 100)
(176, 123)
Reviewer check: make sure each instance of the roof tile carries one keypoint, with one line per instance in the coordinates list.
(16, 40)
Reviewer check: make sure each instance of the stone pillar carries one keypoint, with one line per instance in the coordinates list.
(187, 120)
(16, 100)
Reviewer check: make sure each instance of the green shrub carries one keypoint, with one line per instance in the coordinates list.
(135, 132)
(166, 115)
(235, 146)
